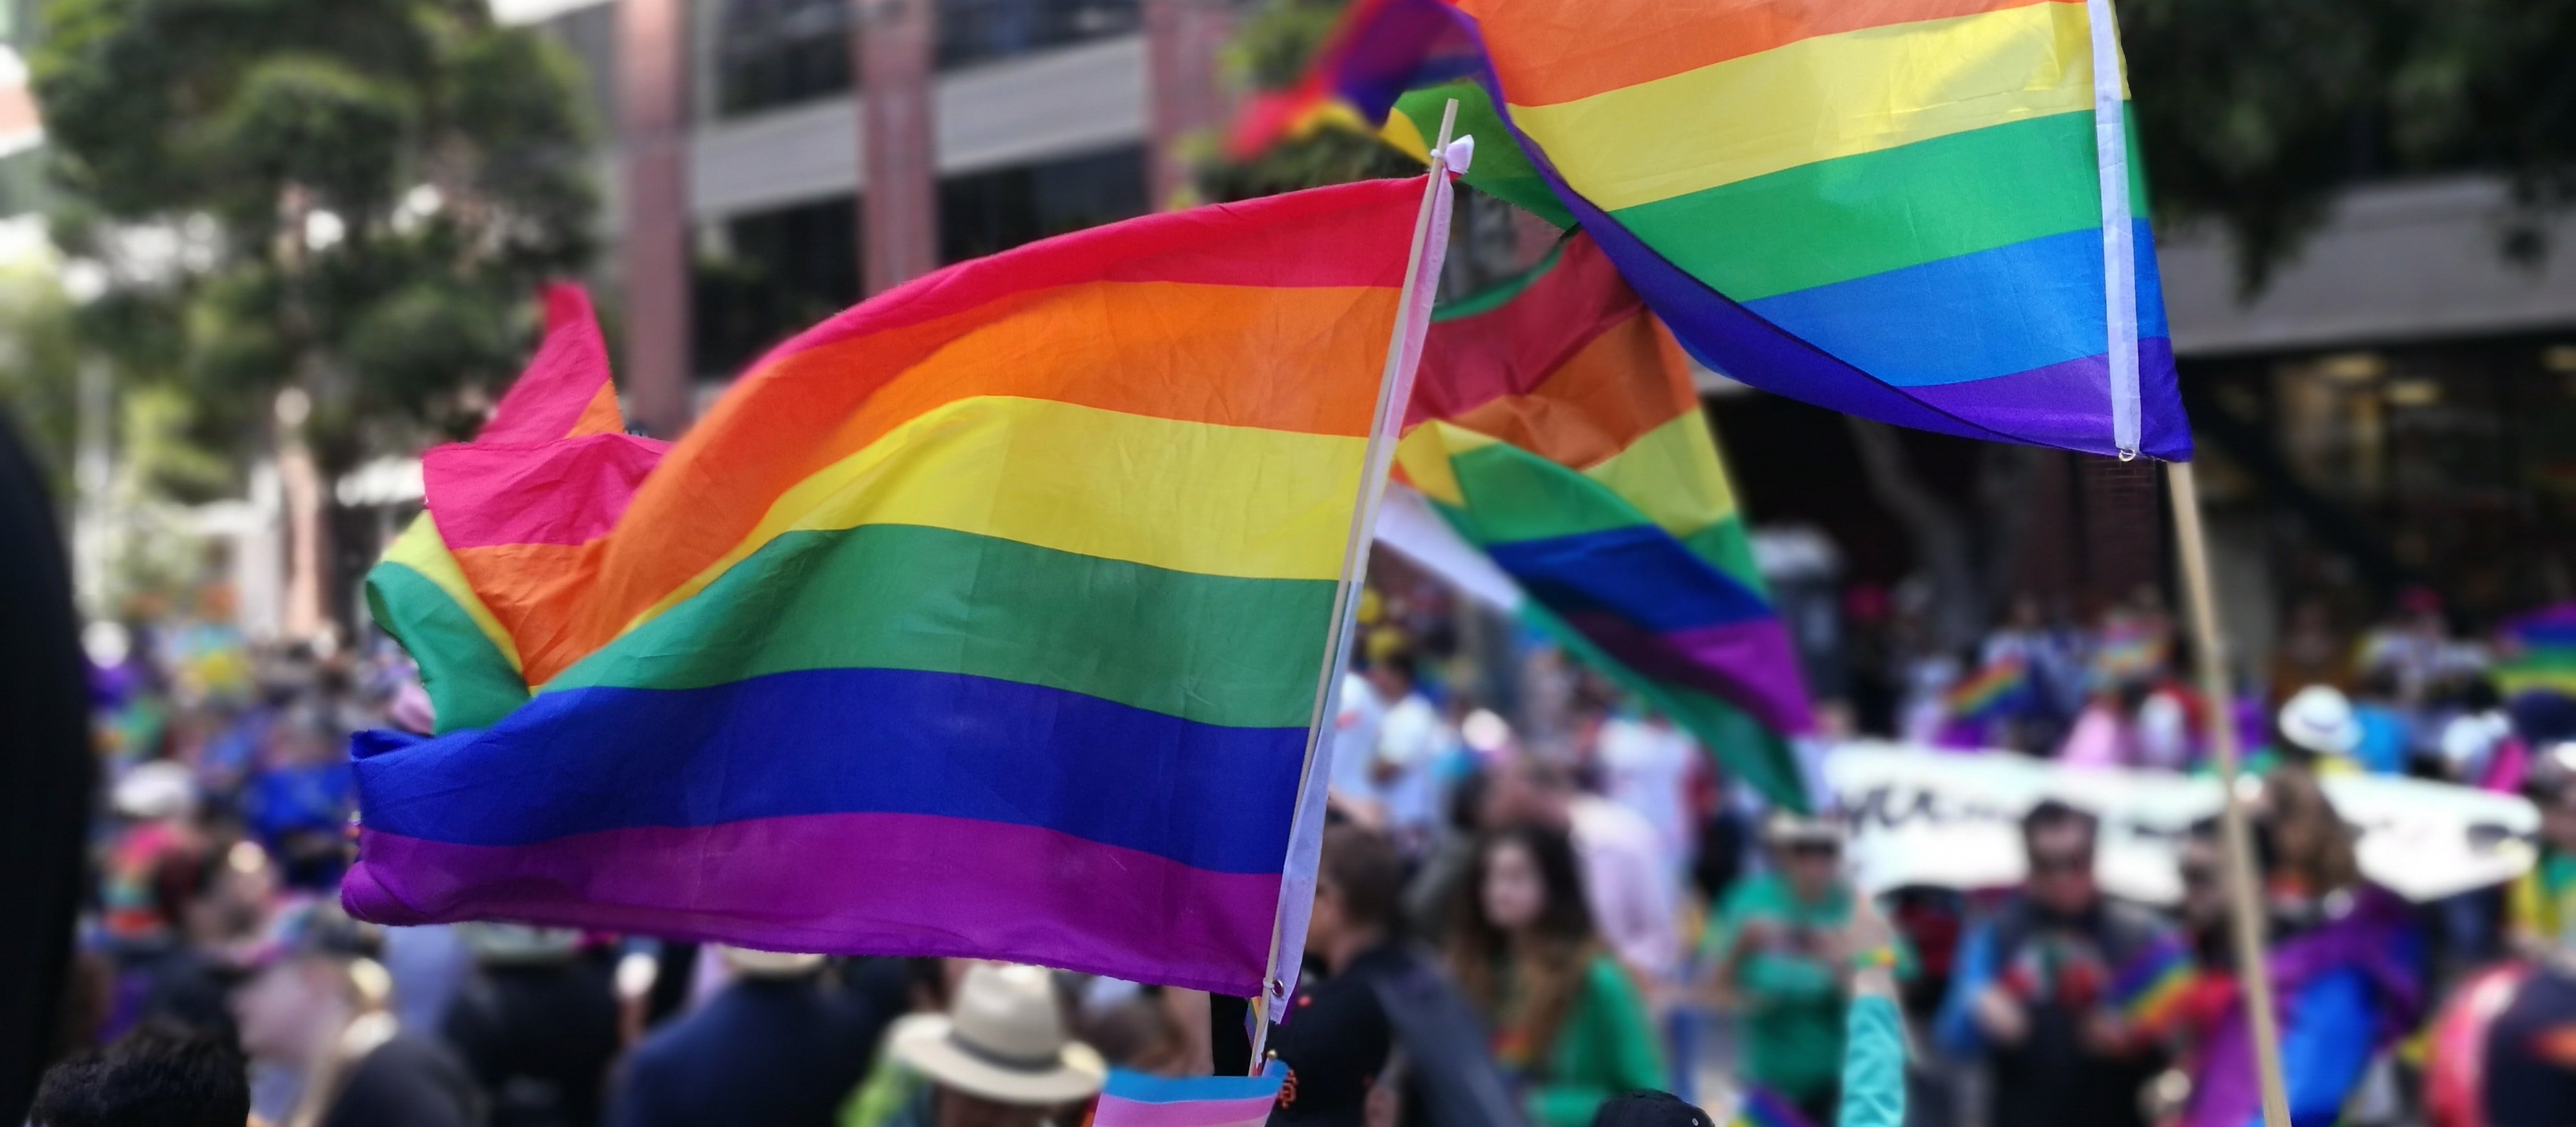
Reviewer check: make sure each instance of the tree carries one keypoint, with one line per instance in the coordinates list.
(352, 197)
(2255, 113)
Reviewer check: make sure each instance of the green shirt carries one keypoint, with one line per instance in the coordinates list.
(1794, 1000)
(1606, 1046)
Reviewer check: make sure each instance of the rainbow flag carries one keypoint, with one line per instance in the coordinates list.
(984, 619)
(1133, 1099)
(2543, 653)
(2149, 989)
(1762, 1107)
(1889, 208)
(556, 444)
(2001, 689)
(1554, 425)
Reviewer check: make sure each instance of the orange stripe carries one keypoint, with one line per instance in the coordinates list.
(1626, 382)
(533, 590)
(1563, 51)
(1303, 360)
(600, 415)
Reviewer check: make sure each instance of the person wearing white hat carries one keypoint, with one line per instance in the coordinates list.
(1000, 1056)
(2318, 721)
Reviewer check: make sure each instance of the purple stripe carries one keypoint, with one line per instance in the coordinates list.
(1115, 1112)
(1750, 665)
(2034, 404)
(849, 884)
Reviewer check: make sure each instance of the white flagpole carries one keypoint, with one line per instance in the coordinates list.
(1394, 390)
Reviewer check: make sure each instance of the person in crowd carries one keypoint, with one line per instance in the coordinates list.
(1412, 737)
(1338, 1040)
(2030, 991)
(2308, 855)
(891, 1085)
(1566, 1019)
(2385, 746)
(1630, 891)
(2106, 733)
(537, 1022)
(2541, 917)
(774, 1046)
(999, 1057)
(1782, 953)
(1451, 861)
(159, 1075)
(2311, 651)
(1646, 765)
(321, 1011)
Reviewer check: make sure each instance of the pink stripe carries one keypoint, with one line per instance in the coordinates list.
(1115, 1112)
(849, 884)
(569, 491)
(568, 370)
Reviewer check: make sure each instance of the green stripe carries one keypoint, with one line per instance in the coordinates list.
(470, 682)
(1514, 495)
(1727, 547)
(1213, 649)
(1743, 747)
(1501, 293)
(1500, 168)
(1855, 216)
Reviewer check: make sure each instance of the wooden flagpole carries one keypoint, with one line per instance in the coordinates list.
(1306, 828)
(2245, 904)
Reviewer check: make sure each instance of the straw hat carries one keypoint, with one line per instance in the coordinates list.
(1003, 1040)
(2319, 719)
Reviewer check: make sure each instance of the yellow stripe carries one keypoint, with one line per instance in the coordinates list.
(1197, 497)
(1672, 475)
(1817, 99)
(422, 549)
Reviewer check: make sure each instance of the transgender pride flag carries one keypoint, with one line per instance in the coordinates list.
(1136, 1100)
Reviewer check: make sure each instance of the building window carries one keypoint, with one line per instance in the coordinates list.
(780, 52)
(974, 31)
(779, 273)
(984, 212)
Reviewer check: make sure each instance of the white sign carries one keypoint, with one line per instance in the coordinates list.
(1952, 820)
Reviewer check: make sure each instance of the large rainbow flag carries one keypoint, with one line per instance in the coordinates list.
(555, 448)
(984, 619)
(1554, 424)
(1890, 208)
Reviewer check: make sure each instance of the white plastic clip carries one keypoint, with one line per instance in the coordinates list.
(1460, 153)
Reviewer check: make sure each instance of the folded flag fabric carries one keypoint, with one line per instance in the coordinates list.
(1893, 209)
(2543, 653)
(1762, 1107)
(1554, 424)
(556, 443)
(984, 619)
(1133, 1099)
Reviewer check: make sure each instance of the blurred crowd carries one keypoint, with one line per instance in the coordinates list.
(1516, 920)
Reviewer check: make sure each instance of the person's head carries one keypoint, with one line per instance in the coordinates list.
(1807, 851)
(1359, 890)
(2553, 790)
(1391, 675)
(2204, 887)
(159, 1075)
(2058, 841)
(295, 1008)
(1000, 1056)
(1526, 886)
(1529, 790)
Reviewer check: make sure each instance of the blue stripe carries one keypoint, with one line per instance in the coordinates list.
(1639, 573)
(1140, 1088)
(1976, 316)
(845, 741)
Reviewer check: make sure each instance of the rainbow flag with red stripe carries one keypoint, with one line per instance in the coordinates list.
(2149, 990)
(985, 619)
(556, 458)
(2002, 688)
(1926, 212)
(1133, 1099)
(1554, 425)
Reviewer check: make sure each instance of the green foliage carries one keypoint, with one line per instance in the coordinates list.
(1270, 52)
(2253, 113)
(388, 181)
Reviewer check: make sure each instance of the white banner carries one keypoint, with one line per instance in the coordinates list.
(1952, 820)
